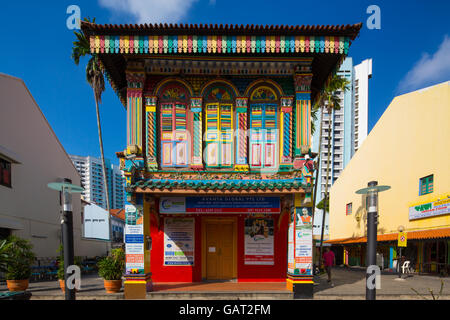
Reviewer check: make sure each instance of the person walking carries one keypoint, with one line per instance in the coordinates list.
(329, 261)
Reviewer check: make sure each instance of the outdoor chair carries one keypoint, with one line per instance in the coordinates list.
(405, 267)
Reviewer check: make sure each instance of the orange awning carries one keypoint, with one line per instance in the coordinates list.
(411, 235)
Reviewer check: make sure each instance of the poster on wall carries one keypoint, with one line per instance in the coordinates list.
(134, 241)
(258, 240)
(303, 241)
(179, 241)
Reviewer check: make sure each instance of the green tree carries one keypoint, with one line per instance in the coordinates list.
(329, 100)
(95, 78)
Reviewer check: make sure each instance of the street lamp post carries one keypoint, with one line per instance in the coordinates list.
(66, 189)
(372, 220)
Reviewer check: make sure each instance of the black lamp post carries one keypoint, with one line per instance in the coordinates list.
(66, 188)
(372, 220)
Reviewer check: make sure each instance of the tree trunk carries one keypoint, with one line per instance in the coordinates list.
(326, 184)
(105, 179)
(318, 167)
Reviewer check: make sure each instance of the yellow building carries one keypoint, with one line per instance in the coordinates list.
(409, 150)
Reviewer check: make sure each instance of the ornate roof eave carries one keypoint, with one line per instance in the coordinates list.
(327, 44)
(347, 30)
(217, 192)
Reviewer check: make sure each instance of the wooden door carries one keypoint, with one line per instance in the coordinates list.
(219, 250)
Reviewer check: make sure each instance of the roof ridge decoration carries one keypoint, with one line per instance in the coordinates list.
(350, 30)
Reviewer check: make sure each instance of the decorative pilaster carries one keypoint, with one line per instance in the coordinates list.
(286, 141)
(150, 132)
(135, 84)
(242, 141)
(300, 248)
(302, 78)
(197, 141)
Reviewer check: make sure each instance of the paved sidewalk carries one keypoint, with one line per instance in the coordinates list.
(350, 284)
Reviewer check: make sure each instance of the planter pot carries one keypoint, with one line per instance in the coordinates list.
(62, 286)
(113, 286)
(17, 285)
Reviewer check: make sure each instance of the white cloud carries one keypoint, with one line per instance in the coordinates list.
(151, 11)
(429, 69)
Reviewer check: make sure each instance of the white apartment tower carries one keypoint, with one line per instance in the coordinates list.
(362, 73)
(91, 173)
(348, 130)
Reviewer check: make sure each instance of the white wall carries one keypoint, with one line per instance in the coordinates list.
(25, 131)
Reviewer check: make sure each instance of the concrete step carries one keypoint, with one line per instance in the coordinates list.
(219, 295)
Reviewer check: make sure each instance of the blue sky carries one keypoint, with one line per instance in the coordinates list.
(410, 51)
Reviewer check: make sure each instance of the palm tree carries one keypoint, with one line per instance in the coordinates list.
(329, 100)
(95, 78)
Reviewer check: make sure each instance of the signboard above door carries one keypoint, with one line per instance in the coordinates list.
(218, 204)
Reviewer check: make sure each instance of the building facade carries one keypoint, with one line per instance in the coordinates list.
(348, 130)
(31, 156)
(407, 150)
(91, 172)
(218, 160)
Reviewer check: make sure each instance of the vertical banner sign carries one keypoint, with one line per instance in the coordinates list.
(402, 240)
(303, 241)
(259, 241)
(179, 241)
(134, 241)
(291, 230)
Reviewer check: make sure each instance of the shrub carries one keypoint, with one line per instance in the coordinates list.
(20, 258)
(76, 261)
(113, 266)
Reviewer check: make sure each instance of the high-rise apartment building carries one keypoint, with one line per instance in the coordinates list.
(348, 130)
(91, 173)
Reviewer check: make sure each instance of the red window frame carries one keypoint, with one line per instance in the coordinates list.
(5, 173)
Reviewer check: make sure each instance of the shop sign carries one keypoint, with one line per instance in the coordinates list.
(258, 237)
(172, 205)
(213, 204)
(430, 209)
(179, 241)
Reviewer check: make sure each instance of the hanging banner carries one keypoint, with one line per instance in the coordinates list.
(179, 241)
(220, 204)
(303, 241)
(134, 241)
(402, 239)
(430, 209)
(258, 240)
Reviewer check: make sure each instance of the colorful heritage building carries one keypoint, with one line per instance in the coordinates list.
(218, 161)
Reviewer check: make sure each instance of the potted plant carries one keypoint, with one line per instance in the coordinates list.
(60, 273)
(111, 269)
(20, 258)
